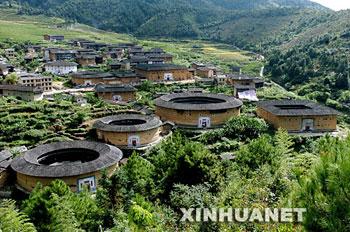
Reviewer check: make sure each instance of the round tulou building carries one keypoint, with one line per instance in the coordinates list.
(197, 110)
(131, 131)
(77, 163)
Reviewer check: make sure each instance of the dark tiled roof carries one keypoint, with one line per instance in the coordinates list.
(159, 55)
(28, 163)
(136, 59)
(61, 63)
(215, 101)
(242, 77)
(21, 88)
(238, 86)
(124, 74)
(104, 75)
(160, 67)
(58, 51)
(5, 159)
(296, 108)
(150, 122)
(92, 74)
(101, 88)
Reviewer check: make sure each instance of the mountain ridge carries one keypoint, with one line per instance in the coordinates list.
(168, 18)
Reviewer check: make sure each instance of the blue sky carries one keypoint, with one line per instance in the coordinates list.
(335, 4)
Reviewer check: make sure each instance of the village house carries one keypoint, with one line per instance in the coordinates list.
(5, 162)
(161, 58)
(245, 92)
(26, 93)
(123, 77)
(117, 55)
(136, 52)
(93, 45)
(85, 51)
(3, 70)
(35, 80)
(120, 66)
(115, 47)
(155, 51)
(298, 115)
(10, 53)
(78, 42)
(137, 60)
(91, 78)
(34, 48)
(203, 70)
(163, 72)
(61, 67)
(86, 60)
(240, 79)
(116, 93)
(158, 55)
(55, 54)
(54, 38)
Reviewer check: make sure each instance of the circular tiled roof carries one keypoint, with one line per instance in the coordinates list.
(29, 164)
(197, 101)
(142, 123)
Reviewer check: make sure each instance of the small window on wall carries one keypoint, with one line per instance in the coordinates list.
(87, 83)
(117, 98)
(134, 141)
(168, 77)
(89, 183)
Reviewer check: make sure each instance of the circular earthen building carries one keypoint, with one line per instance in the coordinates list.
(197, 110)
(130, 131)
(77, 163)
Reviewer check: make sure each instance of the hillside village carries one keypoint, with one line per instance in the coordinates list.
(115, 72)
(119, 136)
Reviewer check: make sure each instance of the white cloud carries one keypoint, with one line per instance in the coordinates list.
(335, 4)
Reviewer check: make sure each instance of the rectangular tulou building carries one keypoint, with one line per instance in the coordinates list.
(61, 67)
(298, 115)
(90, 78)
(163, 72)
(118, 93)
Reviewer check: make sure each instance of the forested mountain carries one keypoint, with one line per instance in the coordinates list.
(221, 20)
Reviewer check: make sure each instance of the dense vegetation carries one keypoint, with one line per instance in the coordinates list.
(270, 170)
(235, 21)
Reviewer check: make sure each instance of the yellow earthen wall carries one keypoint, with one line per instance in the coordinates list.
(190, 118)
(95, 81)
(321, 123)
(178, 75)
(29, 182)
(126, 96)
(121, 138)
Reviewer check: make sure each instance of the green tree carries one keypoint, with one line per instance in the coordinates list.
(325, 192)
(11, 79)
(11, 219)
(56, 206)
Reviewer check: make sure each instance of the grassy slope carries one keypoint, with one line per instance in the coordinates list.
(32, 28)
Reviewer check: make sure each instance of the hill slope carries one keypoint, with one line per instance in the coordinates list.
(181, 18)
